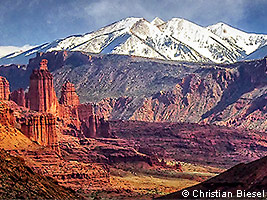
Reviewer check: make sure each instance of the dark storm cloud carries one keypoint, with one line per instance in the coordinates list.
(37, 21)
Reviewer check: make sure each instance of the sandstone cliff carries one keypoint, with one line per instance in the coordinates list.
(6, 115)
(11, 137)
(136, 88)
(92, 125)
(232, 95)
(81, 117)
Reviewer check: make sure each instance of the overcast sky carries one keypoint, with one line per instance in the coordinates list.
(38, 21)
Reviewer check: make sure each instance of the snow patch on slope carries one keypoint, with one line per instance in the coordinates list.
(157, 44)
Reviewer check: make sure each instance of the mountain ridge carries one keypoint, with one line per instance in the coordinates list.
(176, 39)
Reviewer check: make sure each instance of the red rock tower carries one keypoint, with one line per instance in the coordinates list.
(42, 96)
(69, 96)
(4, 89)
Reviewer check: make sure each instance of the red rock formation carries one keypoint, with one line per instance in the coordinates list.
(18, 181)
(18, 96)
(42, 96)
(43, 64)
(69, 96)
(4, 89)
(41, 128)
(70, 122)
(85, 110)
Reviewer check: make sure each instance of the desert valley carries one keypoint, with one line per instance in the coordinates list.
(135, 110)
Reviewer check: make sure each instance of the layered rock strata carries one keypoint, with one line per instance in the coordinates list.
(19, 181)
(68, 170)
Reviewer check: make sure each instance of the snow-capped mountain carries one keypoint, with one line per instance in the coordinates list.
(176, 39)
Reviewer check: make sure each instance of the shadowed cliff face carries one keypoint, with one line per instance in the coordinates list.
(152, 90)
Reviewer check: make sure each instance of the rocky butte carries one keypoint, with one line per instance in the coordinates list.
(41, 126)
